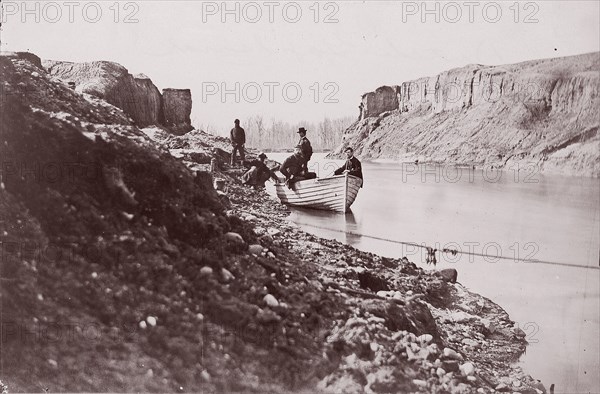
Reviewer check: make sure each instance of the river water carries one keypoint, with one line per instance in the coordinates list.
(539, 236)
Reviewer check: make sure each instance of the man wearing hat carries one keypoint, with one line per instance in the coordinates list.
(238, 139)
(258, 173)
(305, 147)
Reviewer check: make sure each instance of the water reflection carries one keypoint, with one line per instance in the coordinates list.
(343, 227)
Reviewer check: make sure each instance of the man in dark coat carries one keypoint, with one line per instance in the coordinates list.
(258, 173)
(352, 165)
(238, 139)
(293, 165)
(293, 168)
(304, 144)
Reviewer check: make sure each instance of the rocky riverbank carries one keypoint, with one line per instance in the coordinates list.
(124, 270)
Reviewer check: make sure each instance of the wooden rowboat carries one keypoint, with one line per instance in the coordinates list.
(335, 193)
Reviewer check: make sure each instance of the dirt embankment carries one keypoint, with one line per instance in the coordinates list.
(541, 113)
(124, 270)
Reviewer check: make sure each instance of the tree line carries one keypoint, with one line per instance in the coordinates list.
(276, 134)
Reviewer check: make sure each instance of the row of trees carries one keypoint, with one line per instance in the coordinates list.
(277, 135)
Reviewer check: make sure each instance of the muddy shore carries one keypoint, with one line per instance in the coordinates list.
(467, 343)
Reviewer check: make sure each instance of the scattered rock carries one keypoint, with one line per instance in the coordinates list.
(467, 369)
(151, 320)
(419, 382)
(52, 363)
(502, 387)
(271, 301)
(206, 271)
(425, 338)
(267, 316)
(256, 249)
(273, 231)
(234, 237)
(143, 325)
(489, 325)
(227, 275)
(470, 342)
(205, 376)
(449, 275)
(452, 354)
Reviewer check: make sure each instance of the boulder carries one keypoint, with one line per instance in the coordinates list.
(449, 275)
(135, 95)
(177, 105)
(34, 59)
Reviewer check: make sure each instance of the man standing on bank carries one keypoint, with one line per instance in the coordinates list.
(305, 146)
(238, 139)
(352, 165)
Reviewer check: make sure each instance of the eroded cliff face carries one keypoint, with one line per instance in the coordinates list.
(177, 109)
(541, 113)
(136, 95)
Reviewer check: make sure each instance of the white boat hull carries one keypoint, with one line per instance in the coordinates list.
(336, 193)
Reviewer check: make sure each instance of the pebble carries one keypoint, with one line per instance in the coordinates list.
(267, 316)
(53, 363)
(273, 231)
(491, 327)
(471, 378)
(470, 342)
(501, 387)
(250, 218)
(151, 320)
(449, 353)
(227, 275)
(40, 297)
(234, 237)
(205, 376)
(255, 249)
(199, 316)
(467, 369)
(206, 271)
(425, 338)
(271, 301)
(143, 325)
(419, 382)
(440, 372)
(94, 275)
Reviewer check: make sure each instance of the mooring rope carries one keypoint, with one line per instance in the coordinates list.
(431, 251)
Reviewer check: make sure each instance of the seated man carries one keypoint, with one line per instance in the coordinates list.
(293, 168)
(352, 165)
(258, 173)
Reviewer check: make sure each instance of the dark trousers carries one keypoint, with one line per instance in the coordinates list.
(237, 148)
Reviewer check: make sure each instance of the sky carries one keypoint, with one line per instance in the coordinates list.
(295, 61)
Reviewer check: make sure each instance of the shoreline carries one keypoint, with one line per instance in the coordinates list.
(471, 329)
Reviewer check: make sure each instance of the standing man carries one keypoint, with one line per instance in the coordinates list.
(238, 139)
(305, 146)
(352, 165)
